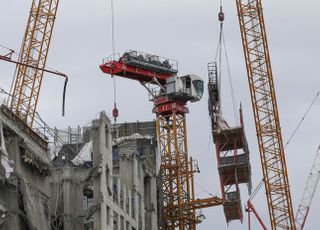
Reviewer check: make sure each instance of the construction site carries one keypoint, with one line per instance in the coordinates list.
(159, 115)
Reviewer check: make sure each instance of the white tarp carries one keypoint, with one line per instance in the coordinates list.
(84, 154)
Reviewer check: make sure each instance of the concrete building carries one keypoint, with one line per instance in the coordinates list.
(93, 181)
(24, 176)
(100, 182)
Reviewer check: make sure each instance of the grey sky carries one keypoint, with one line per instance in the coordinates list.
(186, 31)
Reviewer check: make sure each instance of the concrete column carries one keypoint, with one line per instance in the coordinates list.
(124, 198)
(103, 206)
(134, 171)
(119, 190)
(67, 206)
(130, 204)
(101, 156)
(153, 201)
(136, 205)
(143, 213)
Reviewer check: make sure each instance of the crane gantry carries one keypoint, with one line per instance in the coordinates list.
(266, 115)
(33, 56)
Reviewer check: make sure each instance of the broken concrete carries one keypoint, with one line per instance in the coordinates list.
(24, 174)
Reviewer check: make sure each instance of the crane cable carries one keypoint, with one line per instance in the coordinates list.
(303, 118)
(290, 138)
(222, 45)
(115, 111)
(44, 69)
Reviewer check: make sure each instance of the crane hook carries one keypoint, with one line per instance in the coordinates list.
(115, 112)
(221, 15)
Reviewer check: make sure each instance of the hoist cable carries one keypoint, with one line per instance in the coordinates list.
(113, 57)
(115, 111)
(291, 137)
(220, 51)
(303, 118)
(234, 104)
(254, 193)
(44, 69)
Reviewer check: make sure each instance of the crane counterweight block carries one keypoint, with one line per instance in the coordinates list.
(141, 67)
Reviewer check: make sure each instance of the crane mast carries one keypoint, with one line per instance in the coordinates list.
(262, 90)
(309, 191)
(34, 52)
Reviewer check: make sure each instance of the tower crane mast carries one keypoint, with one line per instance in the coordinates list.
(34, 52)
(309, 191)
(177, 194)
(266, 115)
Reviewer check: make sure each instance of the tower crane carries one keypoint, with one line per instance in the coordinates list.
(309, 191)
(32, 59)
(170, 97)
(266, 115)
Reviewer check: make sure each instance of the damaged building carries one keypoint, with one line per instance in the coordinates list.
(24, 176)
(101, 176)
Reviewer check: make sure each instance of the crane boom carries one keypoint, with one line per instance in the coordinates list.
(262, 90)
(34, 52)
(309, 191)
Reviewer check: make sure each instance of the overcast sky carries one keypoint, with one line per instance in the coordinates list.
(188, 32)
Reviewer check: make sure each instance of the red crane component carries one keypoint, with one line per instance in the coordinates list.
(115, 112)
(251, 208)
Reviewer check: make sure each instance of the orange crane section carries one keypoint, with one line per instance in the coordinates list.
(34, 52)
(257, 59)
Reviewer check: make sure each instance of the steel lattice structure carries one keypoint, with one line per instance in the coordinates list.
(309, 191)
(232, 150)
(34, 52)
(175, 172)
(266, 115)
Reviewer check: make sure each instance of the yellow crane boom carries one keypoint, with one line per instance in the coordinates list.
(34, 52)
(257, 59)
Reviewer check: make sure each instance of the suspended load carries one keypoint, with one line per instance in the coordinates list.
(231, 149)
